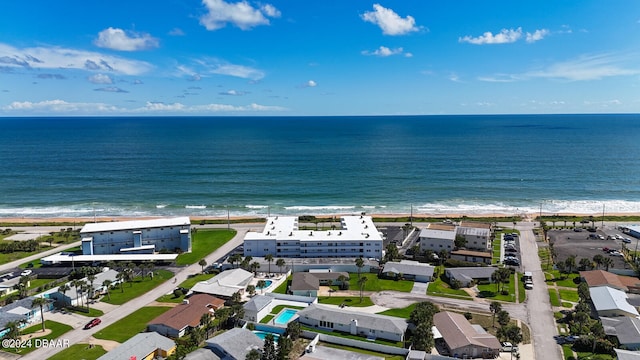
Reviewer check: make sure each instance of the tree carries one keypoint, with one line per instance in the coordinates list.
(254, 267)
(423, 313)
(607, 263)
(344, 283)
(583, 292)
(294, 330)
(107, 285)
(253, 355)
(63, 289)
(120, 279)
(90, 288)
(570, 263)
(261, 285)
(423, 338)
(41, 302)
(359, 265)
(246, 262)
(500, 277)
(280, 263)
(251, 289)
(269, 349)
(585, 264)
(202, 264)
(269, 259)
(361, 282)
(495, 308)
(503, 318)
(237, 297)
(391, 252)
(460, 241)
(205, 323)
(13, 331)
(415, 249)
(284, 348)
(235, 258)
(597, 259)
(222, 315)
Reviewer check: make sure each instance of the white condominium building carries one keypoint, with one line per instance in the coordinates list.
(356, 237)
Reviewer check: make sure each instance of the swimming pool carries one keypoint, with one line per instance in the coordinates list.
(285, 316)
(263, 334)
(267, 284)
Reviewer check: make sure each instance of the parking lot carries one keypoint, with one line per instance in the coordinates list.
(570, 242)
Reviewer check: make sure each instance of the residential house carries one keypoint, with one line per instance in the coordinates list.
(149, 345)
(179, 320)
(627, 355)
(610, 302)
(75, 297)
(480, 257)
(353, 322)
(595, 278)
(477, 238)
(625, 329)
(225, 284)
(308, 283)
(202, 354)
(463, 339)
(235, 344)
(466, 275)
(261, 305)
(20, 311)
(410, 270)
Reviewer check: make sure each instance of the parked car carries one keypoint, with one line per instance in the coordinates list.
(26, 272)
(509, 347)
(511, 250)
(92, 323)
(626, 240)
(528, 285)
(513, 262)
(605, 249)
(508, 237)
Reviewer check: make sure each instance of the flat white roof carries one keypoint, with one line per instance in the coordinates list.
(135, 224)
(438, 234)
(59, 258)
(143, 247)
(354, 228)
(607, 298)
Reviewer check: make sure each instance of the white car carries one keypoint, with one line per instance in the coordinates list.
(528, 285)
(26, 273)
(508, 347)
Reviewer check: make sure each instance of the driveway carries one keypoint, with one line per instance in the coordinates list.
(419, 288)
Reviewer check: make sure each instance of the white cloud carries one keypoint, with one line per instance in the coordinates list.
(310, 83)
(240, 14)
(232, 93)
(63, 107)
(100, 79)
(118, 39)
(454, 77)
(505, 36)
(240, 71)
(499, 78)
(64, 58)
(384, 51)
(588, 67)
(537, 35)
(113, 89)
(390, 22)
(176, 32)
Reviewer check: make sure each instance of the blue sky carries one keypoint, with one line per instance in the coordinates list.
(331, 57)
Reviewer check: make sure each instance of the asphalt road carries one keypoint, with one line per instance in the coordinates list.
(539, 311)
(77, 335)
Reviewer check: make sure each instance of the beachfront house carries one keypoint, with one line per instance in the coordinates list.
(410, 270)
(356, 237)
(367, 325)
(179, 320)
(137, 236)
(464, 340)
(477, 238)
(21, 312)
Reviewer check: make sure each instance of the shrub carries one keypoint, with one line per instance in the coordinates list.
(468, 315)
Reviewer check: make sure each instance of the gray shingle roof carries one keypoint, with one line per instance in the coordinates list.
(15, 311)
(236, 342)
(466, 274)
(258, 303)
(408, 268)
(626, 329)
(368, 321)
(225, 284)
(140, 345)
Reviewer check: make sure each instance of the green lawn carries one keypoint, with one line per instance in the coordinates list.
(282, 289)
(353, 301)
(497, 244)
(354, 337)
(522, 292)
(205, 242)
(266, 319)
(566, 280)
(136, 288)
(92, 312)
(276, 310)
(187, 284)
(567, 352)
(569, 295)
(80, 352)
(401, 312)
(57, 330)
(7, 258)
(592, 356)
(376, 284)
(440, 288)
(553, 297)
(490, 291)
(125, 328)
(34, 283)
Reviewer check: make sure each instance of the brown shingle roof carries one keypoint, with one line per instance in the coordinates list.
(189, 314)
(438, 226)
(457, 332)
(602, 278)
(481, 254)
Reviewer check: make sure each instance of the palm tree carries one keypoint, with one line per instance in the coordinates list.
(63, 289)
(202, 264)
(107, 285)
(280, 263)
(607, 262)
(597, 259)
(41, 302)
(261, 285)
(90, 287)
(570, 263)
(495, 308)
(120, 278)
(235, 258)
(361, 282)
(254, 267)
(342, 280)
(269, 259)
(359, 265)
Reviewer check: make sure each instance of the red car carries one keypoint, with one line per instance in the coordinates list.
(92, 323)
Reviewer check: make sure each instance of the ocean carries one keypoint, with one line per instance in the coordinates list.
(254, 166)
